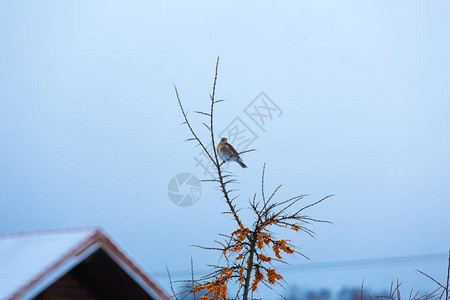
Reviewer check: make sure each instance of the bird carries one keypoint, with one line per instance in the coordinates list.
(228, 153)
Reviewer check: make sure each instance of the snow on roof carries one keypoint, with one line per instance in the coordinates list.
(33, 260)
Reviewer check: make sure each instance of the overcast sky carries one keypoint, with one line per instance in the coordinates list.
(91, 135)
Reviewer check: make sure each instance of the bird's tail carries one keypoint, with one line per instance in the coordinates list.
(241, 163)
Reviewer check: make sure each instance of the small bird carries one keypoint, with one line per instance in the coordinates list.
(228, 153)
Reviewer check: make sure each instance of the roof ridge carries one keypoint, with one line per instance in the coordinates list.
(93, 236)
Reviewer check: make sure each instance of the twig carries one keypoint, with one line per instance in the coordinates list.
(171, 284)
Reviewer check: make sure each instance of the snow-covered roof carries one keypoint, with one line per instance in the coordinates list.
(32, 261)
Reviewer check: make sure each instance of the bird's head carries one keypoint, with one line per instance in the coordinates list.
(224, 140)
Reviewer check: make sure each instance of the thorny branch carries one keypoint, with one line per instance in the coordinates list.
(248, 251)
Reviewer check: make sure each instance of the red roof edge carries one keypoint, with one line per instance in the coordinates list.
(124, 258)
(96, 236)
(60, 261)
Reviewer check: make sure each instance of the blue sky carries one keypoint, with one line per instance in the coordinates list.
(90, 130)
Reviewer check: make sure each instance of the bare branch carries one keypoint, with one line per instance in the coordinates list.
(171, 284)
